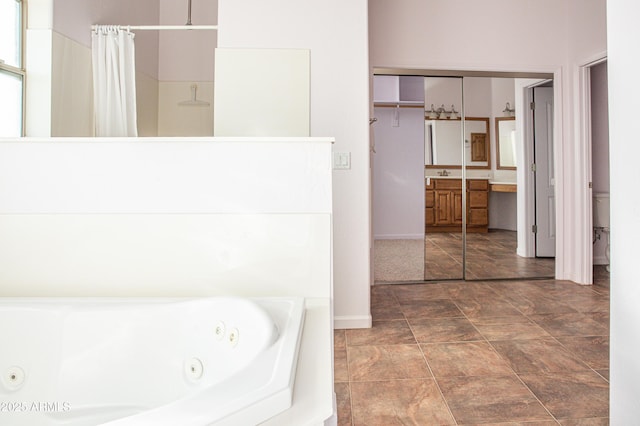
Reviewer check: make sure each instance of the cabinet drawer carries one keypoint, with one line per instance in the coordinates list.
(478, 199)
(476, 184)
(448, 184)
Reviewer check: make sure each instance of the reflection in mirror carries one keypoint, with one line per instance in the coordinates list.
(489, 204)
(506, 142)
(443, 195)
(495, 232)
(168, 64)
(442, 143)
(476, 143)
(398, 179)
(443, 148)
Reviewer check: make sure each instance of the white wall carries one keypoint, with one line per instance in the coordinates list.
(624, 100)
(439, 91)
(400, 29)
(587, 42)
(186, 58)
(73, 19)
(477, 96)
(336, 34)
(187, 55)
(397, 168)
(574, 32)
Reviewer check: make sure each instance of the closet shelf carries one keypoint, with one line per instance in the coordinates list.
(401, 104)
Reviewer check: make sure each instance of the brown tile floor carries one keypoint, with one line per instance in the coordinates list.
(529, 353)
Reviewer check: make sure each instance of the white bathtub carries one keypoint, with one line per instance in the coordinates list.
(158, 361)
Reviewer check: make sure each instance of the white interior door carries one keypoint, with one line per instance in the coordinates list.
(545, 179)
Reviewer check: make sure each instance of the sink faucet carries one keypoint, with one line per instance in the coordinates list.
(443, 173)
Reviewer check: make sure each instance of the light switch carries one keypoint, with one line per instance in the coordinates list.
(341, 160)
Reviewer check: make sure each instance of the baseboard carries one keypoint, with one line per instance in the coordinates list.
(358, 321)
(399, 237)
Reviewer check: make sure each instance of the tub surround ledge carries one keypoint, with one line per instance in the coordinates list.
(312, 404)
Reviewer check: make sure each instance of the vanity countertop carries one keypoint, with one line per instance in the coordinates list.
(501, 182)
(501, 186)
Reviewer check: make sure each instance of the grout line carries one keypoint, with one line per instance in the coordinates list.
(508, 363)
(346, 350)
(433, 377)
(536, 397)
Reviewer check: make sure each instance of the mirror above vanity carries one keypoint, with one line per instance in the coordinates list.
(443, 148)
(506, 146)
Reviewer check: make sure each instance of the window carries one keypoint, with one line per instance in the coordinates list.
(11, 68)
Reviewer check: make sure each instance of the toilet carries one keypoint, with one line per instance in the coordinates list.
(601, 217)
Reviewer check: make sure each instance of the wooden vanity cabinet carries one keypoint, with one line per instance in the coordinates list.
(448, 202)
(443, 205)
(429, 204)
(478, 205)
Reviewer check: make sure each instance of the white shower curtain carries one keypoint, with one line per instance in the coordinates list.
(114, 81)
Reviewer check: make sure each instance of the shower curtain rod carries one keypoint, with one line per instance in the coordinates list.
(161, 27)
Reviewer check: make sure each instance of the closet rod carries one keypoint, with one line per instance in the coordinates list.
(160, 27)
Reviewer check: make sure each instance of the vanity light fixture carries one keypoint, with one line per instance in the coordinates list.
(433, 114)
(508, 111)
(454, 114)
(442, 114)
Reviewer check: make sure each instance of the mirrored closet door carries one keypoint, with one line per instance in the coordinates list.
(443, 184)
(398, 179)
(497, 199)
(468, 210)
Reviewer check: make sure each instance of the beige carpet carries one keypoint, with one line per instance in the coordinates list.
(398, 260)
